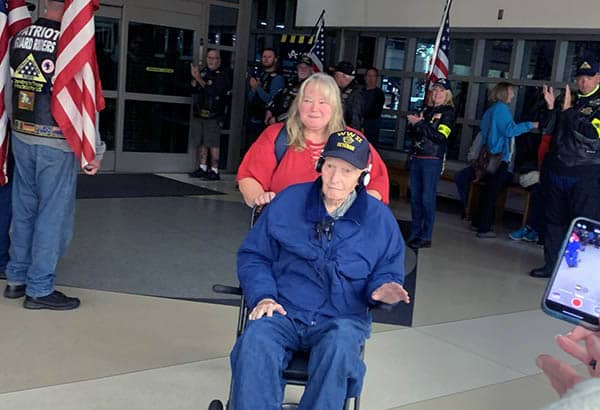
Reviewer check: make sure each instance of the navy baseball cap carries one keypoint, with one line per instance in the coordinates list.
(304, 59)
(442, 82)
(345, 67)
(587, 67)
(349, 146)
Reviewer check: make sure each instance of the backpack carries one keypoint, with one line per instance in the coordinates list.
(281, 145)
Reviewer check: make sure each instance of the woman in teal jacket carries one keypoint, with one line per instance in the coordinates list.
(498, 130)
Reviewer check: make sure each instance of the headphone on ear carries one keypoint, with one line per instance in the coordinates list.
(363, 179)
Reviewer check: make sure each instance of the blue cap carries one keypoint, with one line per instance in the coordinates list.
(349, 146)
(442, 82)
(587, 67)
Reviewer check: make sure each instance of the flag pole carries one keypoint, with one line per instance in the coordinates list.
(438, 38)
(316, 27)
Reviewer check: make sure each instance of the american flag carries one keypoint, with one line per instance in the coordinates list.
(14, 17)
(440, 64)
(77, 93)
(317, 51)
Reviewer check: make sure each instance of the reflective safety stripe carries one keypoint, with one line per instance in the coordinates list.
(596, 124)
(444, 129)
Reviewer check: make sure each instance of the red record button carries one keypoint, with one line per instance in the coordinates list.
(576, 302)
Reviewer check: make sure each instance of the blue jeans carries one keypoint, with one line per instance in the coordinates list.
(424, 176)
(44, 185)
(262, 352)
(5, 216)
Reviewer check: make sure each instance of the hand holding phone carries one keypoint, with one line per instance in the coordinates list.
(573, 291)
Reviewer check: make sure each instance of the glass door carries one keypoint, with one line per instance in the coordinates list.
(156, 99)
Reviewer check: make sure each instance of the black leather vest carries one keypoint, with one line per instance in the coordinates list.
(570, 146)
(32, 63)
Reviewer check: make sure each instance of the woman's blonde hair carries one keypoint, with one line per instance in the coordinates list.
(331, 92)
(448, 100)
(500, 92)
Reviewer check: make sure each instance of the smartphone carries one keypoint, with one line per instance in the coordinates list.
(573, 292)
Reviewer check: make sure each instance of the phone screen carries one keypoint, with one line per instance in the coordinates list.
(573, 293)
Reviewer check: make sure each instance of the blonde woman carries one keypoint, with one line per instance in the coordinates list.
(433, 127)
(315, 114)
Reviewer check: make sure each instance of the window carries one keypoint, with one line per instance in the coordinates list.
(156, 127)
(366, 51)
(262, 11)
(107, 123)
(395, 53)
(222, 25)
(423, 55)
(530, 103)
(461, 54)
(578, 51)
(459, 93)
(496, 58)
(280, 14)
(537, 60)
(417, 94)
(158, 59)
(387, 130)
(391, 89)
(107, 51)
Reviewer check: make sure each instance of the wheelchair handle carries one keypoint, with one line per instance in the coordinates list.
(228, 290)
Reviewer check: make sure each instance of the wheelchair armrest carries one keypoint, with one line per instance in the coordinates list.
(228, 290)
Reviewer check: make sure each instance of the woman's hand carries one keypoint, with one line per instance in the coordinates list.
(414, 118)
(266, 307)
(568, 101)
(264, 198)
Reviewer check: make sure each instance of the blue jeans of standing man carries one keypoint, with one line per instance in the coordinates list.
(335, 367)
(5, 216)
(424, 176)
(44, 185)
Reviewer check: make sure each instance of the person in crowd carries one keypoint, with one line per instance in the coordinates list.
(314, 115)
(45, 175)
(576, 391)
(373, 105)
(277, 109)
(570, 174)
(464, 177)
(263, 86)
(211, 87)
(353, 99)
(433, 127)
(320, 255)
(498, 130)
(534, 227)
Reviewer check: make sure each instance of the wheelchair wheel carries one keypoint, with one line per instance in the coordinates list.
(215, 405)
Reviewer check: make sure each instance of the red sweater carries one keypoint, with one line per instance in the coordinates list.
(296, 167)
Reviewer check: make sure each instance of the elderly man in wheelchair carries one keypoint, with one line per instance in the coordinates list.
(318, 258)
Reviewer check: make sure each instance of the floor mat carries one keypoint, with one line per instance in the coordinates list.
(134, 185)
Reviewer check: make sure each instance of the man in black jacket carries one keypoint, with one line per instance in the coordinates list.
(352, 94)
(571, 170)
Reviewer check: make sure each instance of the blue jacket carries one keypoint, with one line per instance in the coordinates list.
(498, 127)
(282, 257)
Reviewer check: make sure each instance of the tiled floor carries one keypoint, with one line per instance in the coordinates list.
(477, 323)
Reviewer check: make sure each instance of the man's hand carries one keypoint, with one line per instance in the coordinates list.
(568, 101)
(549, 96)
(561, 375)
(254, 83)
(266, 307)
(92, 167)
(390, 293)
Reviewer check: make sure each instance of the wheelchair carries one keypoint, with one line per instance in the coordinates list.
(296, 373)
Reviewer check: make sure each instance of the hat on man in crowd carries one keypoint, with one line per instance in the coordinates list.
(304, 59)
(442, 82)
(587, 67)
(345, 67)
(349, 146)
